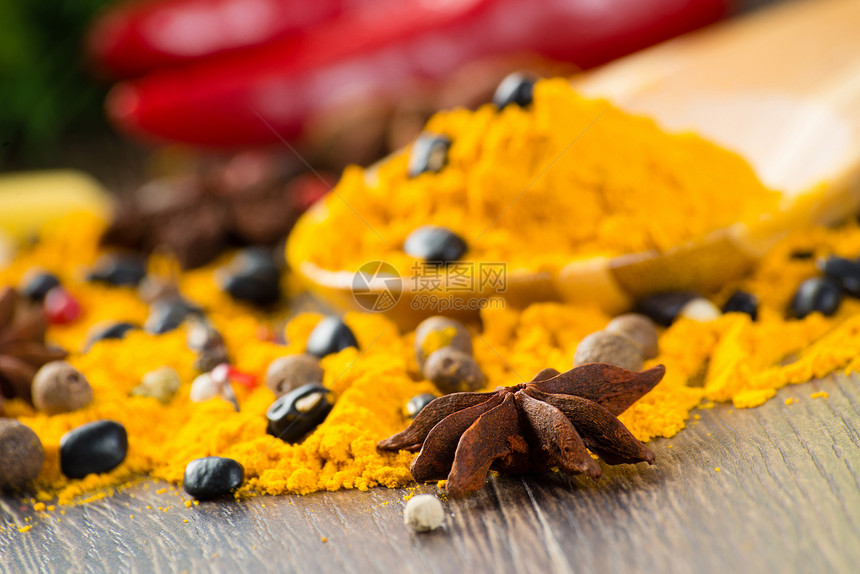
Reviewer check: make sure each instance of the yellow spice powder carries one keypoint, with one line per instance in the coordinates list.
(729, 359)
(610, 175)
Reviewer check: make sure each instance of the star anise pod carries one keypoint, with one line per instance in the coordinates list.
(552, 421)
(22, 344)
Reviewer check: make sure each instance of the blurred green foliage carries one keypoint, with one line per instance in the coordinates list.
(46, 92)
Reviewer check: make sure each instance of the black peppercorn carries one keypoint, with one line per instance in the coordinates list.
(298, 412)
(516, 89)
(801, 254)
(664, 308)
(846, 272)
(212, 476)
(429, 154)
(820, 294)
(36, 285)
(167, 314)
(840, 267)
(436, 244)
(742, 302)
(330, 336)
(119, 270)
(253, 277)
(417, 403)
(113, 330)
(255, 287)
(95, 447)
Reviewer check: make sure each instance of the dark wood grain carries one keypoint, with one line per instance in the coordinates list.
(786, 499)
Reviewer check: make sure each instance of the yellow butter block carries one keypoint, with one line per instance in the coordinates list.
(29, 200)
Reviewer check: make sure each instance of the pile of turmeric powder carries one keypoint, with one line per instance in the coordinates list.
(729, 359)
(538, 187)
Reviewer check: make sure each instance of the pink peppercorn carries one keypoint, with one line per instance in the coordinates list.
(60, 307)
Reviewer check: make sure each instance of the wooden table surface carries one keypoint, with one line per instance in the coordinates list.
(786, 499)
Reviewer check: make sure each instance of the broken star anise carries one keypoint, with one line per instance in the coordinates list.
(22, 344)
(552, 421)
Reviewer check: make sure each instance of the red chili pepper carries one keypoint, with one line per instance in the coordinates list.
(244, 97)
(134, 38)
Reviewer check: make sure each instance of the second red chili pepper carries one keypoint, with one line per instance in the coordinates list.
(256, 95)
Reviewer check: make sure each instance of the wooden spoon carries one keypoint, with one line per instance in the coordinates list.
(781, 87)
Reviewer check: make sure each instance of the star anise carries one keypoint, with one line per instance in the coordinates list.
(552, 421)
(22, 344)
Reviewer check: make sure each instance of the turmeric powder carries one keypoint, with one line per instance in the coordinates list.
(739, 360)
(610, 173)
(609, 180)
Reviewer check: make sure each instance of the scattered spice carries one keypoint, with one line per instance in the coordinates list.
(535, 426)
(423, 513)
(61, 307)
(93, 448)
(742, 302)
(160, 384)
(515, 89)
(298, 412)
(613, 348)
(665, 308)
(436, 332)
(700, 309)
(435, 244)
(21, 453)
(417, 403)
(109, 330)
(638, 328)
(118, 270)
(36, 284)
(58, 387)
(253, 276)
(211, 477)
(329, 336)
(429, 153)
(820, 294)
(208, 343)
(453, 371)
(730, 359)
(22, 344)
(287, 373)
